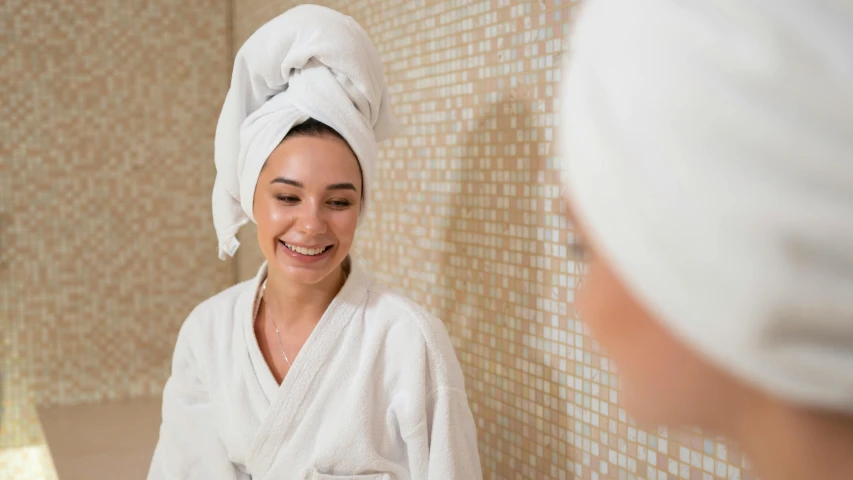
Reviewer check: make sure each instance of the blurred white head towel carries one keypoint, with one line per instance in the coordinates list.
(707, 149)
(309, 62)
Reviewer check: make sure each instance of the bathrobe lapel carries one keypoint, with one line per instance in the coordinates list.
(287, 400)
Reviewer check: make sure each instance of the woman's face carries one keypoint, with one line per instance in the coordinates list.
(662, 381)
(307, 204)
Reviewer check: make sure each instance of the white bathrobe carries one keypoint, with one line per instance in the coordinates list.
(376, 393)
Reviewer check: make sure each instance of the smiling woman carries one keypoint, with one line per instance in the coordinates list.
(307, 205)
(310, 370)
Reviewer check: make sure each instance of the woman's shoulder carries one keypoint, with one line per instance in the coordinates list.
(220, 311)
(402, 316)
(228, 298)
(412, 332)
(397, 307)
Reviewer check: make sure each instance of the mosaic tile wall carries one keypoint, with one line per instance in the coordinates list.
(107, 118)
(466, 220)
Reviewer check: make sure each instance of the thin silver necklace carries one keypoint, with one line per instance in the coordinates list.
(277, 333)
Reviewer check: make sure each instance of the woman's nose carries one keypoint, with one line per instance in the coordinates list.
(310, 219)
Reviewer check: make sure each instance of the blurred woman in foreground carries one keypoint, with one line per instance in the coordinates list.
(708, 161)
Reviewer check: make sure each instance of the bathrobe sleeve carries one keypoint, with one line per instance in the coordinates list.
(189, 447)
(442, 443)
(446, 448)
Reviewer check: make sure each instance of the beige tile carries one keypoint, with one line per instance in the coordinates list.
(106, 242)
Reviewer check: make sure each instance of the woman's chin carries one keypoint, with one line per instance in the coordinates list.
(306, 274)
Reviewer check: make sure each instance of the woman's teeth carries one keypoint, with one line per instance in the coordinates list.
(305, 251)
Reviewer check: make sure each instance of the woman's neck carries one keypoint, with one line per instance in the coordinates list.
(294, 303)
(788, 443)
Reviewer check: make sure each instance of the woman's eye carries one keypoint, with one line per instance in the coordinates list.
(288, 199)
(340, 204)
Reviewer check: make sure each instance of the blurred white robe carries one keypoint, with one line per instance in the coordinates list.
(375, 394)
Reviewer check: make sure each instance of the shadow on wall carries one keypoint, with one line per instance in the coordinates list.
(545, 397)
(500, 277)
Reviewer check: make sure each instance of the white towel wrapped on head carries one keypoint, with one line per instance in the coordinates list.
(309, 62)
(708, 152)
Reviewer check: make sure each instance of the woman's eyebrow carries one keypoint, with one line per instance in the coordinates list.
(298, 184)
(287, 181)
(342, 186)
